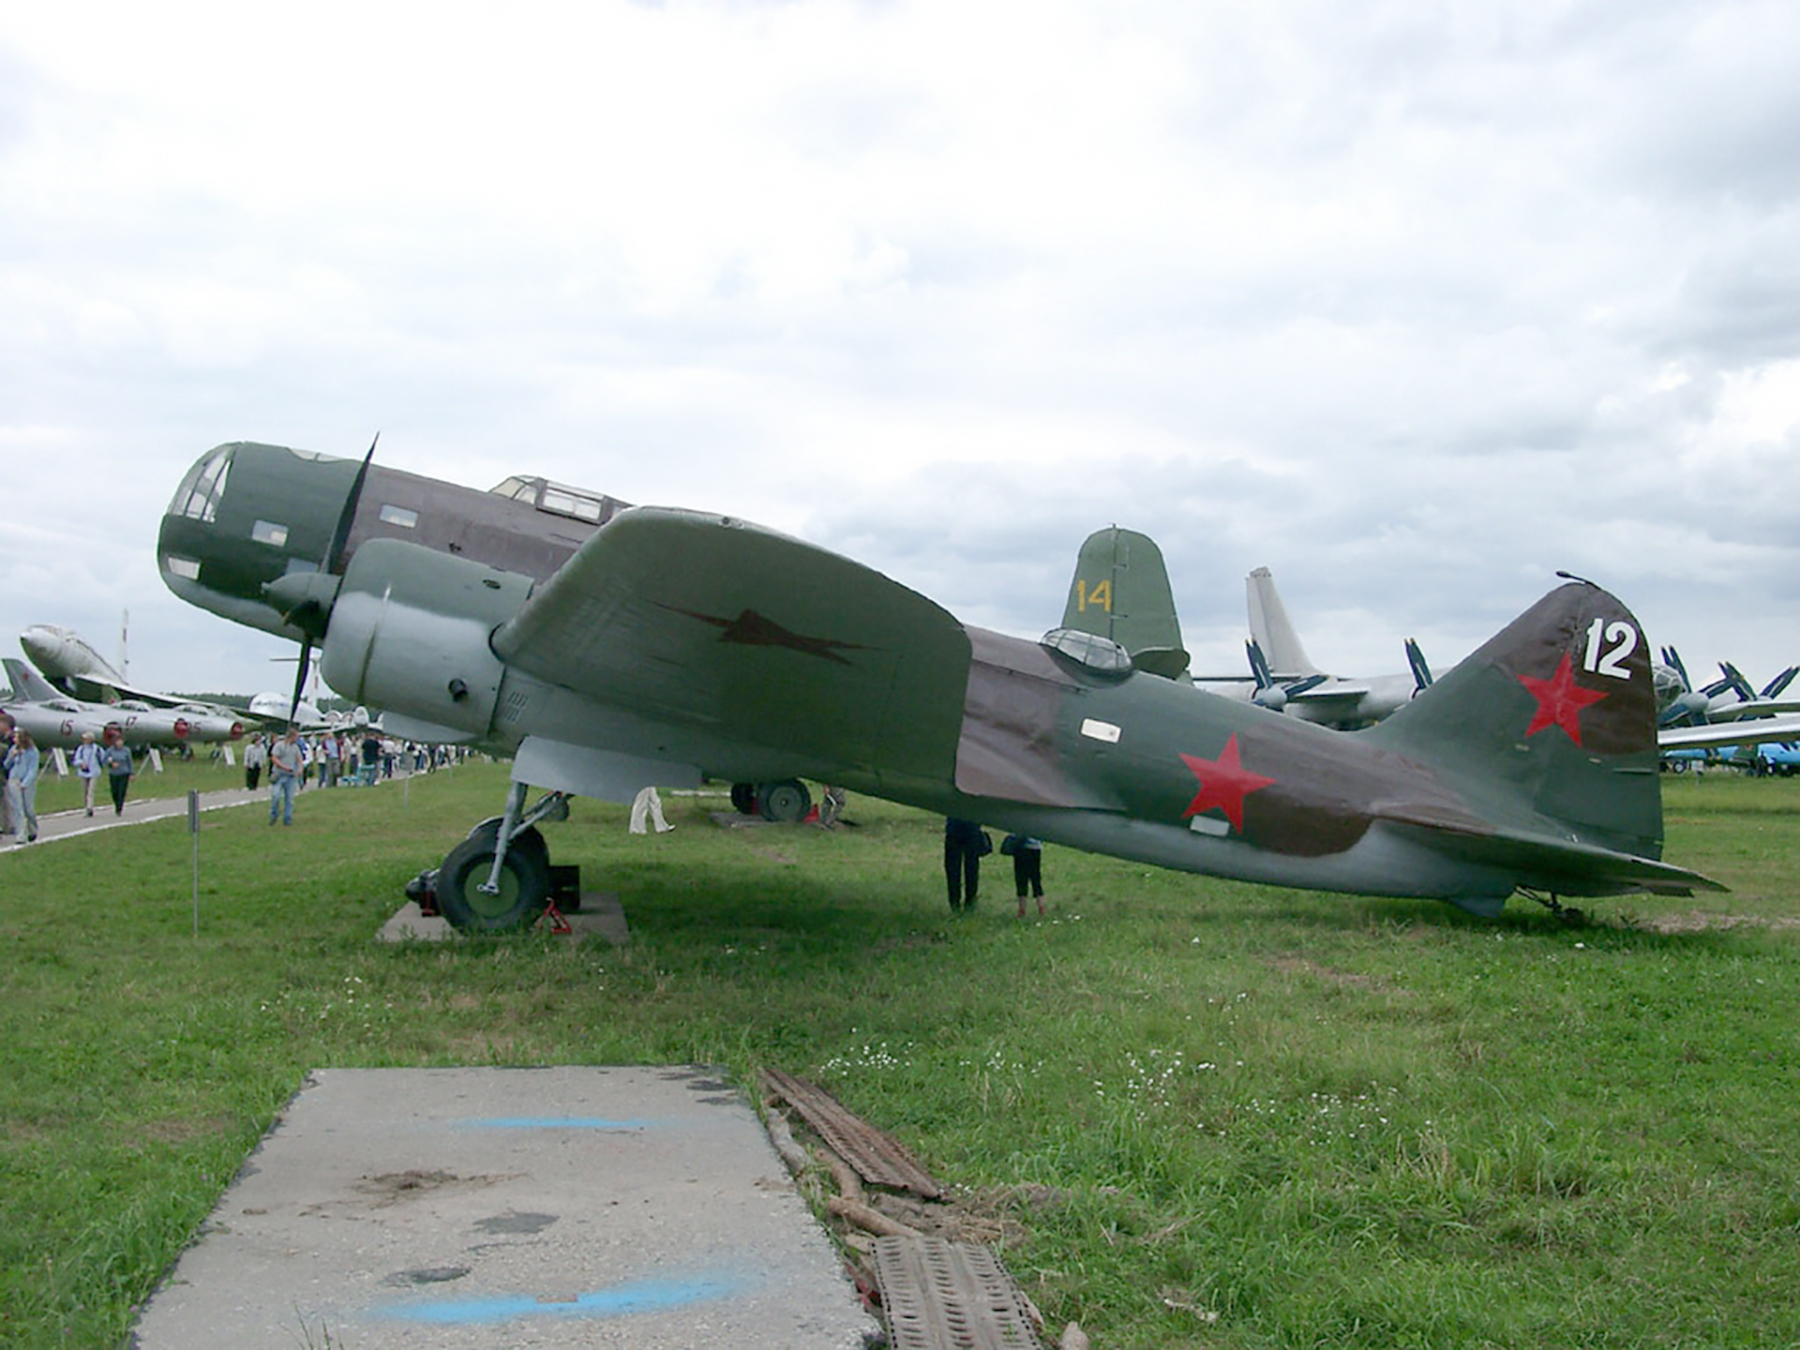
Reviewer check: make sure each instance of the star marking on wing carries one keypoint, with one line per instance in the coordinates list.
(756, 630)
(1559, 701)
(1224, 783)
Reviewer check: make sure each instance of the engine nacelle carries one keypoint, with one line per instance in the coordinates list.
(409, 632)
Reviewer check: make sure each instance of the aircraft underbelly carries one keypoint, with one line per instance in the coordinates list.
(1380, 862)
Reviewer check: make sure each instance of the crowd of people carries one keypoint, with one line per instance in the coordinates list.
(292, 761)
(359, 757)
(341, 758)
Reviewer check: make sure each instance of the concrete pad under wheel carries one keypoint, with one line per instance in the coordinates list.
(501, 1207)
(600, 915)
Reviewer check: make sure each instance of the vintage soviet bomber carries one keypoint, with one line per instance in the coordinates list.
(607, 647)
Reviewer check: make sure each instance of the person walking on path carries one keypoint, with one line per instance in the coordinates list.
(86, 759)
(285, 763)
(115, 758)
(255, 756)
(648, 804)
(21, 786)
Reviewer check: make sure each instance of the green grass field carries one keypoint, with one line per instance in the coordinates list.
(1242, 1117)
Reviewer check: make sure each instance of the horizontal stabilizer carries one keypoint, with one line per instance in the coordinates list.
(1557, 866)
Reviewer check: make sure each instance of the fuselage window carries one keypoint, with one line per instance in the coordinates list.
(399, 515)
(266, 532)
(186, 568)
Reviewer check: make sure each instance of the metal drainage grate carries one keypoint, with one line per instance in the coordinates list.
(942, 1295)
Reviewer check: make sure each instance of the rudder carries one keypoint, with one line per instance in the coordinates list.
(1554, 717)
(1121, 591)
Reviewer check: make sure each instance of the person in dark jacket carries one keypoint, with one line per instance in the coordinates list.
(962, 862)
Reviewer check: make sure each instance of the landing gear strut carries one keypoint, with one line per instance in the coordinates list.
(499, 877)
(1571, 917)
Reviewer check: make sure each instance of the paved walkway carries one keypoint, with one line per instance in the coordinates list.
(640, 1207)
(69, 824)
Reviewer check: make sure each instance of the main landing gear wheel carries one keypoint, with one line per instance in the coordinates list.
(787, 801)
(524, 891)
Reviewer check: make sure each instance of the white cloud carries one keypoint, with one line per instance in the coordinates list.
(1413, 305)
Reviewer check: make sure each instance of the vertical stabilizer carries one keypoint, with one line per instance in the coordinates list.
(1553, 720)
(1121, 591)
(1270, 628)
(28, 685)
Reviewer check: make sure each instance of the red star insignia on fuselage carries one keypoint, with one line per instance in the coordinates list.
(1224, 783)
(1560, 701)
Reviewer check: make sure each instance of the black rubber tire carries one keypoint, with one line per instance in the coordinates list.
(524, 886)
(527, 839)
(743, 798)
(786, 802)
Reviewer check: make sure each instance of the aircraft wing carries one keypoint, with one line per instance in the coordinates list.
(1347, 690)
(753, 638)
(1760, 707)
(1754, 731)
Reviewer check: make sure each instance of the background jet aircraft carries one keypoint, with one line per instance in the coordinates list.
(674, 645)
(1287, 680)
(56, 723)
(141, 724)
(75, 669)
(70, 663)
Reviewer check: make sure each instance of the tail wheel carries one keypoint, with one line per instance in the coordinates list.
(524, 883)
(787, 801)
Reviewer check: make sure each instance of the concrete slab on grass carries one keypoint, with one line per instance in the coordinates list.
(600, 914)
(570, 1206)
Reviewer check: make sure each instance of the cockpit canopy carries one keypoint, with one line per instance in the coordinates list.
(1101, 655)
(559, 499)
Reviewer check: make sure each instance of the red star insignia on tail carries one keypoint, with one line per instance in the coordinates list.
(1560, 701)
(1224, 783)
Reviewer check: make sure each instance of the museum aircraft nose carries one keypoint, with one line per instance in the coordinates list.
(247, 515)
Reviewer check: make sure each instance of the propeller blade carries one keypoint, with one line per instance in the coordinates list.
(1259, 664)
(1737, 681)
(1673, 657)
(1415, 658)
(300, 675)
(333, 562)
(1777, 686)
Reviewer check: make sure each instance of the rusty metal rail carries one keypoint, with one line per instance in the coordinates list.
(877, 1157)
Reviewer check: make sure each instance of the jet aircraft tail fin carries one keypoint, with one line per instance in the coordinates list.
(1121, 591)
(1270, 627)
(1552, 724)
(28, 685)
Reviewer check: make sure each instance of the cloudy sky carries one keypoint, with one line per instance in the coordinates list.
(1412, 303)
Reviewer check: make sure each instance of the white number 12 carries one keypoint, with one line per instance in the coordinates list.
(1611, 662)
